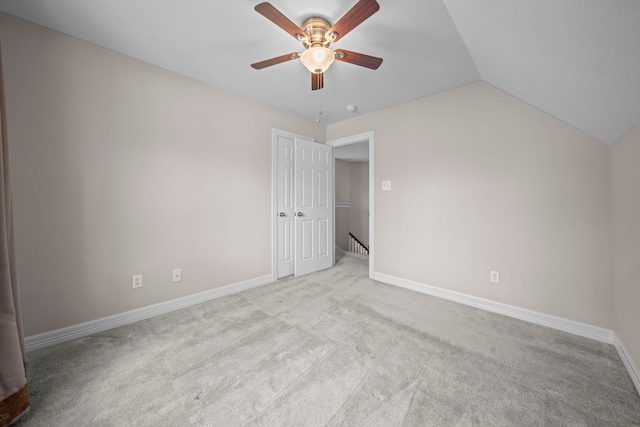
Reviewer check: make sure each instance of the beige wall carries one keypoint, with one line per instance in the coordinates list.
(483, 181)
(122, 168)
(625, 166)
(342, 186)
(359, 212)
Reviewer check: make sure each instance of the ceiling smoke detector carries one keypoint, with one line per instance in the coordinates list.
(351, 108)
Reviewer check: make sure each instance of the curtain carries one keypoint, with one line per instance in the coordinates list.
(14, 400)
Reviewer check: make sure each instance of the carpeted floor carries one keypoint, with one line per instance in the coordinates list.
(330, 348)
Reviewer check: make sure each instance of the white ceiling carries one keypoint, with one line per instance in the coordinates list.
(358, 152)
(578, 60)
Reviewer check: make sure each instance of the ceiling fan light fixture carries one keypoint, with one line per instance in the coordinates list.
(317, 59)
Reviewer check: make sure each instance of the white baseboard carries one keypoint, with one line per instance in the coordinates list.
(70, 333)
(633, 370)
(570, 326)
(582, 329)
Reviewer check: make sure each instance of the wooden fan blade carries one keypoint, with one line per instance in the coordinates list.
(356, 58)
(354, 17)
(317, 81)
(277, 60)
(274, 15)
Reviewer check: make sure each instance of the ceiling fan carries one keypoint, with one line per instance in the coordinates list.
(316, 35)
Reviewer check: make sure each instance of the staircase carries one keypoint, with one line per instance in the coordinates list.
(357, 246)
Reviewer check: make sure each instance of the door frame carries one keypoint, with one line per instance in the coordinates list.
(354, 139)
(274, 193)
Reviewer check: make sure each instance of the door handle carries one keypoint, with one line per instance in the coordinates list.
(282, 214)
(299, 214)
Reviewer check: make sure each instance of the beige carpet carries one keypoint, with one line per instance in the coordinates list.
(331, 348)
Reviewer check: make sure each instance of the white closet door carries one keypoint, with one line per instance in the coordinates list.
(313, 202)
(285, 158)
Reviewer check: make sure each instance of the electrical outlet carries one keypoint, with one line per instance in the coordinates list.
(177, 275)
(494, 276)
(386, 185)
(137, 281)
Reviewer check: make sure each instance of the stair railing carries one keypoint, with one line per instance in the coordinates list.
(357, 246)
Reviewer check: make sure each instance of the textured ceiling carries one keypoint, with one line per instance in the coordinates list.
(578, 60)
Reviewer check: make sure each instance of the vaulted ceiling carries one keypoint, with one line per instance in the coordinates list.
(578, 60)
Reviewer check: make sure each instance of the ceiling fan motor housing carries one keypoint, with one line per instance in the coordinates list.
(316, 31)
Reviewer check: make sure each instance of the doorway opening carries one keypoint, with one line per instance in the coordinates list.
(352, 155)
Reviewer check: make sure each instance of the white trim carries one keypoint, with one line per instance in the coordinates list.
(577, 328)
(627, 361)
(354, 139)
(47, 339)
(275, 132)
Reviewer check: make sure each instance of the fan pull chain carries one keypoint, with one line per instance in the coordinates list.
(319, 109)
